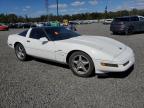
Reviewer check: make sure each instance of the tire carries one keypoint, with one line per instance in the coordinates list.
(20, 52)
(129, 31)
(114, 33)
(81, 64)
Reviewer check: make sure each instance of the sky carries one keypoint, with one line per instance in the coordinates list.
(34, 8)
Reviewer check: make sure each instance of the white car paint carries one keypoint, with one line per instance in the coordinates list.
(108, 21)
(100, 49)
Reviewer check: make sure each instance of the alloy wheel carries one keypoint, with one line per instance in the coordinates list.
(80, 64)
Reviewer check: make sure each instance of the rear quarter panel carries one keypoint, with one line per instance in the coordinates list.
(12, 39)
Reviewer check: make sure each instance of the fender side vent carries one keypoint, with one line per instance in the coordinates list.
(126, 63)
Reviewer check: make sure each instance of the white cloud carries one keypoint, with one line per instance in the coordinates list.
(129, 5)
(78, 3)
(27, 7)
(139, 0)
(124, 7)
(93, 2)
(139, 3)
(63, 10)
(61, 6)
(24, 9)
(82, 9)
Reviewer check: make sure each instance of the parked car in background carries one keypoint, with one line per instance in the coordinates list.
(86, 55)
(54, 23)
(127, 24)
(107, 21)
(39, 25)
(3, 27)
(21, 25)
(71, 26)
(12, 25)
(16, 25)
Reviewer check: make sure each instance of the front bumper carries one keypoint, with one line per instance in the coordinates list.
(124, 61)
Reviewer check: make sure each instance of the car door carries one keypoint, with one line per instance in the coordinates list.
(142, 23)
(36, 47)
(135, 23)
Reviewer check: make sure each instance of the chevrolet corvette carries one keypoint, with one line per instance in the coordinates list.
(85, 54)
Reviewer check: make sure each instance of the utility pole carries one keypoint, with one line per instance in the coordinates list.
(57, 7)
(47, 13)
(106, 9)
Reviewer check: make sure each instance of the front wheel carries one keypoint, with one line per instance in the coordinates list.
(81, 64)
(20, 52)
(129, 31)
(114, 33)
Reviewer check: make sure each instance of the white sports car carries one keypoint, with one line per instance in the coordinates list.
(85, 55)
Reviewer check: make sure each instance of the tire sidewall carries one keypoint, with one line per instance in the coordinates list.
(25, 56)
(129, 30)
(91, 70)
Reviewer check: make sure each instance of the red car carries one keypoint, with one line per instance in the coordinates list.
(4, 27)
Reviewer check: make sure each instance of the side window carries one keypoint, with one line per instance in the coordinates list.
(134, 19)
(37, 33)
(141, 18)
(24, 33)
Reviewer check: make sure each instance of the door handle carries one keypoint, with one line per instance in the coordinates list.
(28, 40)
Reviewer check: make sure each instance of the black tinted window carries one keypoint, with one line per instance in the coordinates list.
(122, 19)
(142, 18)
(134, 19)
(24, 33)
(60, 33)
(37, 33)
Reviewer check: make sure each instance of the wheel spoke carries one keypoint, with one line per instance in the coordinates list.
(18, 54)
(81, 64)
(75, 62)
(22, 54)
(85, 62)
(78, 68)
(84, 69)
(80, 58)
(20, 49)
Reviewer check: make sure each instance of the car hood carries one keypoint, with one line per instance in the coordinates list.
(104, 44)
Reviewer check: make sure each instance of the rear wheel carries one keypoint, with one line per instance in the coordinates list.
(81, 64)
(20, 52)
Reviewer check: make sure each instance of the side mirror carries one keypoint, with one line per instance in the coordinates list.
(43, 40)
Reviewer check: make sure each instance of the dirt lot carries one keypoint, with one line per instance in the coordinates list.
(41, 84)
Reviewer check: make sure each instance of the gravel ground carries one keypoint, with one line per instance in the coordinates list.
(41, 84)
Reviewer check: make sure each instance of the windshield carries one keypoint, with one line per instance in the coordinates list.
(60, 33)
